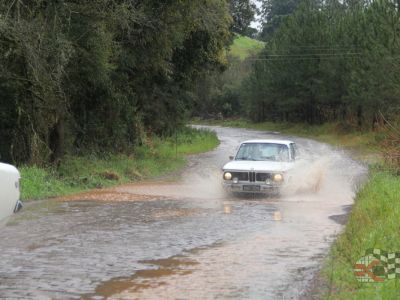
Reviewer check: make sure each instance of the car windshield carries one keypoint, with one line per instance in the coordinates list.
(263, 151)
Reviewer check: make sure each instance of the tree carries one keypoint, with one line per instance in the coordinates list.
(243, 13)
(329, 61)
(78, 76)
(273, 13)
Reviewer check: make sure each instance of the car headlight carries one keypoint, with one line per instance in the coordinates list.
(278, 177)
(227, 176)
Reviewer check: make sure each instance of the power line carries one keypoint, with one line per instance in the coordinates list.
(311, 54)
(283, 58)
(321, 47)
(302, 58)
(315, 49)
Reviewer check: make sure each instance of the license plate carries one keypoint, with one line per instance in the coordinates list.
(251, 188)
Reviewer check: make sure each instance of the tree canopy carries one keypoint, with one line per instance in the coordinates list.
(97, 75)
(243, 13)
(329, 61)
(84, 76)
(273, 13)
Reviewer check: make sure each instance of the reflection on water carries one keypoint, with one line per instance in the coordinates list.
(277, 216)
(227, 208)
(185, 240)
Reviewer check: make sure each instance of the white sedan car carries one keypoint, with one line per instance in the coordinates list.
(260, 166)
(9, 190)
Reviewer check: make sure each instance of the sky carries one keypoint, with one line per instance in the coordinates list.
(256, 23)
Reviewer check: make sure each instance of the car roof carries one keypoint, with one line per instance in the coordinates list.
(283, 142)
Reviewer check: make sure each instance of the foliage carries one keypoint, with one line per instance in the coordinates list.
(79, 76)
(391, 143)
(218, 94)
(243, 13)
(274, 13)
(329, 62)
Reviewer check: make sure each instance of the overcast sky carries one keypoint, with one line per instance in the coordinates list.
(256, 23)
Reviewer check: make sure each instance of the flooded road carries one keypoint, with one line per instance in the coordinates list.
(182, 240)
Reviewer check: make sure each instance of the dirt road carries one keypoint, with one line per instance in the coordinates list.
(183, 240)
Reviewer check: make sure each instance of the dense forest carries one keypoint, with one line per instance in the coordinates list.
(80, 76)
(327, 61)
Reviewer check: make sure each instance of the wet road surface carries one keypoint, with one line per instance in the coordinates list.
(182, 240)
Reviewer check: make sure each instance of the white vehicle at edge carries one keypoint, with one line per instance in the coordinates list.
(9, 190)
(260, 166)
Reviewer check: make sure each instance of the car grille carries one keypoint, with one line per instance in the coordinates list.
(251, 176)
(263, 176)
(242, 176)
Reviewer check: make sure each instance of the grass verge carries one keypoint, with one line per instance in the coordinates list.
(78, 173)
(373, 221)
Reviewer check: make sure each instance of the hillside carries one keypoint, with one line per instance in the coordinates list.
(243, 46)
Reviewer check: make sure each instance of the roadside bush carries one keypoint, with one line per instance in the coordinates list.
(391, 144)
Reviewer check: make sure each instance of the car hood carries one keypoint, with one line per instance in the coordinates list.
(257, 166)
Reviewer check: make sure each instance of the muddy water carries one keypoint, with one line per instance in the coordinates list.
(184, 240)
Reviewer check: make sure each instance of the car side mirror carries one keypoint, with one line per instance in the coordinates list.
(231, 157)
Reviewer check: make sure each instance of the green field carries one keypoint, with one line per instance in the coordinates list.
(158, 157)
(244, 46)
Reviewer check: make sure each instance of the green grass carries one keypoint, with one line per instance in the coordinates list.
(374, 221)
(244, 46)
(78, 173)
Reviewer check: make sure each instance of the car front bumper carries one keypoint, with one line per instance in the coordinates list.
(251, 187)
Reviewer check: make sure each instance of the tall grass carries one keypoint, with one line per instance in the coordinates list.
(77, 173)
(373, 223)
